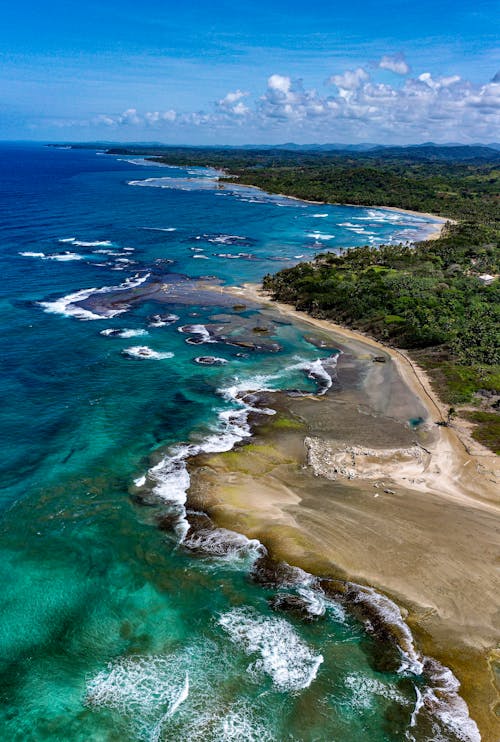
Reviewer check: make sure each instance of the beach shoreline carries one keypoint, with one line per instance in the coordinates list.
(439, 220)
(273, 503)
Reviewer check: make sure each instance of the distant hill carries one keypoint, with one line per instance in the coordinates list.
(329, 146)
(435, 152)
(426, 152)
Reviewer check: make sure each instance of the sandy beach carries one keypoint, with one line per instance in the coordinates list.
(342, 486)
(439, 220)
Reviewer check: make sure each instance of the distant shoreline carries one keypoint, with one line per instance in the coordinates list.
(440, 221)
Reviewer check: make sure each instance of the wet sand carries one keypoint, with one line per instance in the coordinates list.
(342, 486)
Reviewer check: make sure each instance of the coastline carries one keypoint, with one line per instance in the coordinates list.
(292, 513)
(440, 221)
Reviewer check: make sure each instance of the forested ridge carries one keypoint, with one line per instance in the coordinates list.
(427, 298)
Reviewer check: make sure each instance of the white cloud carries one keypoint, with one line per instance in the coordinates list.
(232, 103)
(286, 100)
(395, 63)
(357, 108)
(155, 117)
(131, 117)
(350, 79)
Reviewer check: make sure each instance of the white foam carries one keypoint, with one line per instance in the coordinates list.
(169, 479)
(314, 599)
(137, 161)
(167, 320)
(125, 333)
(180, 184)
(224, 544)
(358, 230)
(140, 688)
(32, 254)
(365, 689)
(290, 663)
(444, 703)
(218, 723)
(142, 351)
(64, 256)
(53, 256)
(319, 216)
(391, 217)
(66, 305)
(161, 229)
(202, 257)
(237, 256)
(81, 243)
(317, 371)
(411, 660)
(213, 361)
(223, 239)
(321, 236)
(199, 330)
(238, 726)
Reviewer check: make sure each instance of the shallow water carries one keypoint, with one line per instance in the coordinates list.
(110, 627)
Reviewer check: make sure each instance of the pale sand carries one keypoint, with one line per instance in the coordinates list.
(432, 544)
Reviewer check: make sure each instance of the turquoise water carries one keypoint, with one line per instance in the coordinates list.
(110, 627)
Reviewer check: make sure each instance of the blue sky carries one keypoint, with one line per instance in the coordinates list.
(226, 72)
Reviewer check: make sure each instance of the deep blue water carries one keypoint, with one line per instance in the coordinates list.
(109, 629)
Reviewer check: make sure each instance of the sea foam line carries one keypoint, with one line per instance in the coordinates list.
(67, 305)
(290, 663)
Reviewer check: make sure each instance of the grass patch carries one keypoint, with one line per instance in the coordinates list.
(487, 429)
(456, 384)
(286, 423)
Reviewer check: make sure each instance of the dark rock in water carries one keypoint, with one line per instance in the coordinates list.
(240, 343)
(210, 361)
(166, 319)
(142, 501)
(197, 340)
(379, 359)
(320, 343)
(239, 307)
(259, 329)
(384, 654)
(269, 573)
(198, 520)
(168, 522)
(293, 604)
(272, 347)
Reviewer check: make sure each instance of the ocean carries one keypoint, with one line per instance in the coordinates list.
(119, 620)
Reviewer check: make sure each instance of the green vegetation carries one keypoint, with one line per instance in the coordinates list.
(487, 429)
(427, 298)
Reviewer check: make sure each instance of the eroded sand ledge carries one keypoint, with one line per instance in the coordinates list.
(415, 515)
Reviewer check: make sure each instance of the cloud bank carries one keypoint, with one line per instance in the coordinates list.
(354, 106)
